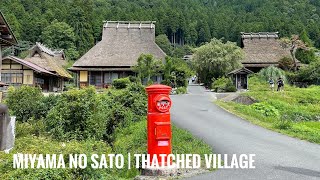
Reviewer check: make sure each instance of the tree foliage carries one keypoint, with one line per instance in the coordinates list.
(272, 72)
(147, 66)
(164, 43)
(215, 59)
(182, 21)
(60, 35)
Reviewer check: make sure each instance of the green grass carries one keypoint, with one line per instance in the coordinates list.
(131, 139)
(297, 110)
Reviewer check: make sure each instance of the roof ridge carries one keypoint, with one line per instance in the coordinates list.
(45, 49)
(129, 24)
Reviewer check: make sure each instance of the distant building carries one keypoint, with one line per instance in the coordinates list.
(17, 72)
(43, 67)
(239, 78)
(53, 62)
(262, 49)
(7, 38)
(114, 56)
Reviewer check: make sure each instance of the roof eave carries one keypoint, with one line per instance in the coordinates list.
(10, 30)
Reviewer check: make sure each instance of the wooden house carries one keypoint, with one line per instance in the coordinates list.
(53, 62)
(42, 67)
(262, 49)
(17, 72)
(7, 38)
(114, 56)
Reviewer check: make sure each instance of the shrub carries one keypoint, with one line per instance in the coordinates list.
(306, 56)
(223, 84)
(123, 107)
(309, 74)
(265, 109)
(25, 102)
(286, 63)
(134, 79)
(45, 105)
(230, 87)
(272, 72)
(283, 124)
(79, 114)
(121, 83)
(181, 90)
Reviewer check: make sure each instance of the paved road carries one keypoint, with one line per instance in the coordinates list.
(277, 156)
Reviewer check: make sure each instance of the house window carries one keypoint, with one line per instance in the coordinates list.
(12, 78)
(39, 81)
(96, 78)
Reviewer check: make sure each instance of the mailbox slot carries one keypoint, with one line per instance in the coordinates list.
(162, 130)
(163, 103)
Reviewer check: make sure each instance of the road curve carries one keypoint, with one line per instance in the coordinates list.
(277, 156)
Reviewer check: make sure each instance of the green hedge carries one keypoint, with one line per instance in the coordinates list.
(121, 83)
(223, 84)
(28, 102)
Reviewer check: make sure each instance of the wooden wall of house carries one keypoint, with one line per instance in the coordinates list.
(102, 78)
(12, 67)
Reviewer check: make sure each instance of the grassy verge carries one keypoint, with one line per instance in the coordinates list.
(131, 139)
(294, 112)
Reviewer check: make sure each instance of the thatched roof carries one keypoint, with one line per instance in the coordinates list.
(44, 57)
(30, 65)
(262, 49)
(7, 37)
(121, 45)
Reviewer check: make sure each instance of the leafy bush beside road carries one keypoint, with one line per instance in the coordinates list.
(223, 84)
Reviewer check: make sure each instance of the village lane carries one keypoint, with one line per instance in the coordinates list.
(277, 156)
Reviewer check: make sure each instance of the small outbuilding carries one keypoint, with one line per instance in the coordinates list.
(240, 77)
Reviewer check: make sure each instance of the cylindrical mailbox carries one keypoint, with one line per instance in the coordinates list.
(159, 124)
(7, 127)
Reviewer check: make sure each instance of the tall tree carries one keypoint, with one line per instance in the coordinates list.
(164, 43)
(80, 18)
(60, 35)
(215, 59)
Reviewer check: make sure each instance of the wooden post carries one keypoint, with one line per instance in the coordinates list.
(102, 78)
(247, 82)
(237, 81)
(89, 73)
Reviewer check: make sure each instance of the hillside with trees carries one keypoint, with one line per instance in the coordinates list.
(77, 24)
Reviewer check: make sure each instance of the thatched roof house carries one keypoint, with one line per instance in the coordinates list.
(18, 72)
(262, 49)
(7, 37)
(51, 60)
(114, 56)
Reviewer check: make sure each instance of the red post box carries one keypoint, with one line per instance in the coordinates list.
(159, 124)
